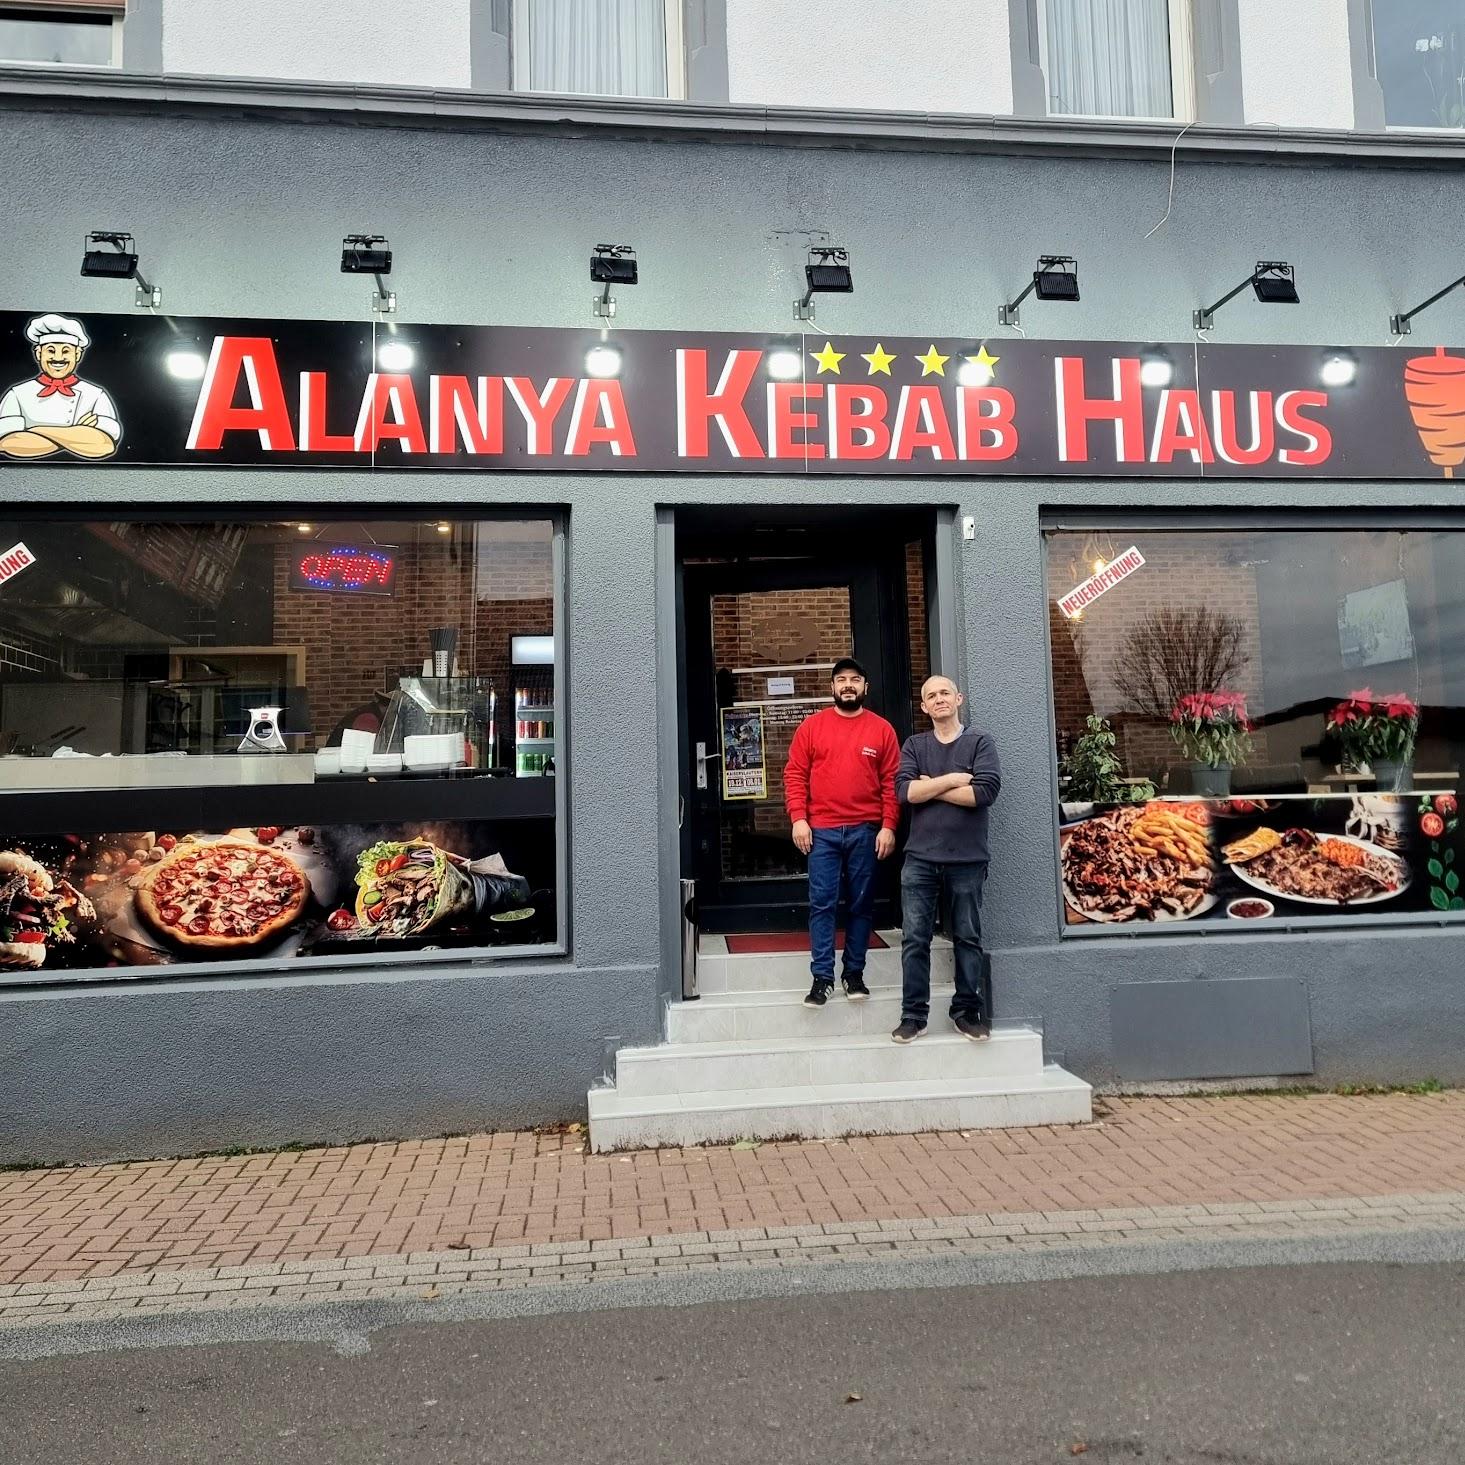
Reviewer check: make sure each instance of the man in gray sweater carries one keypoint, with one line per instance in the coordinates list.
(949, 778)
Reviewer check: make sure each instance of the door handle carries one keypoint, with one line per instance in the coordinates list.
(703, 759)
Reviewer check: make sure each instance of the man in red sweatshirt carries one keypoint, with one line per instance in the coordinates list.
(839, 789)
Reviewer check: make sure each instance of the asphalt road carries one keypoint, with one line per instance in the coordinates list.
(1321, 1364)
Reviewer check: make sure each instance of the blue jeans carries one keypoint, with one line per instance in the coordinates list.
(922, 885)
(841, 856)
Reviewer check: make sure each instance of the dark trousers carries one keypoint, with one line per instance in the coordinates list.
(923, 884)
(841, 857)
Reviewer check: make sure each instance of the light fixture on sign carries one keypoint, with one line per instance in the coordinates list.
(187, 366)
(1401, 324)
(395, 356)
(370, 254)
(827, 272)
(1156, 369)
(784, 364)
(612, 264)
(1272, 281)
(111, 254)
(1339, 370)
(1056, 278)
(978, 369)
(602, 361)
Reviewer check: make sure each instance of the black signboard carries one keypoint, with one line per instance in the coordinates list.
(198, 392)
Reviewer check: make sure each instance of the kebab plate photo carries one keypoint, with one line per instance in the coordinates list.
(1152, 863)
(38, 911)
(1321, 869)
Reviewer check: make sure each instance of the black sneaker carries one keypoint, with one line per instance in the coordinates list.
(819, 992)
(854, 987)
(908, 1031)
(973, 1027)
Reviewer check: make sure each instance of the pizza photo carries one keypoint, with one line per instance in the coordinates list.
(221, 896)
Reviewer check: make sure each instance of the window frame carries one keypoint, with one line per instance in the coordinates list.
(1075, 519)
(1183, 87)
(116, 10)
(1369, 20)
(676, 56)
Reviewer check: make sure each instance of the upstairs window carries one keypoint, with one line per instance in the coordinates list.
(602, 48)
(1419, 60)
(1117, 58)
(61, 35)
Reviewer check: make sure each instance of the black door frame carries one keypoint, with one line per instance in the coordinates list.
(873, 563)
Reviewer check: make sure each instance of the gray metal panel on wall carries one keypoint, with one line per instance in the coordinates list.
(704, 35)
(142, 36)
(1240, 1028)
(489, 56)
(1368, 96)
(1218, 63)
(1029, 86)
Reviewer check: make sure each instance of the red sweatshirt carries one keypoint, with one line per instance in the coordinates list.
(841, 770)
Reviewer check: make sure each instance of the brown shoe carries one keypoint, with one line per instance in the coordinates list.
(975, 1029)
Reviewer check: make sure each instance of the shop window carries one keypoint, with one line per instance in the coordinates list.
(84, 34)
(1117, 58)
(604, 48)
(1419, 62)
(247, 740)
(1258, 724)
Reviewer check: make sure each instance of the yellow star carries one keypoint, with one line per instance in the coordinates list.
(828, 358)
(879, 360)
(985, 363)
(933, 363)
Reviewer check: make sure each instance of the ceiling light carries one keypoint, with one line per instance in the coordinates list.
(827, 272)
(1056, 278)
(612, 264)
(395, 356)
(1400, 324)
(304, 528)
(111, 254)
(1339, 370)
(370, 254)
(1155, 369)
(603, 361)
(444, 528)
(1273, 282)
(187, 366)
(785, 365)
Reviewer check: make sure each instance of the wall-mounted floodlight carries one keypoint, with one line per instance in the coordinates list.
(826, 273)
(1273, 282)
(1056, 278)
(370, 254)
(110, 254)
(1400, 324)
(612, 264)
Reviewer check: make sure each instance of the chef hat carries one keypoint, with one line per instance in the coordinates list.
(46, 328)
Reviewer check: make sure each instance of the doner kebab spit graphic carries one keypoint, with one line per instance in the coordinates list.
(58, 411)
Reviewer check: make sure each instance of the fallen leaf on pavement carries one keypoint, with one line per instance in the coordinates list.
(432, 1294)
(1078, 1449)
(853, 1398)
(746, 1144)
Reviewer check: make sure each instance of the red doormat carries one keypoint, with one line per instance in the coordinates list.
(767, 943)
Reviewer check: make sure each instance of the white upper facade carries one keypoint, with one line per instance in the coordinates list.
(1298, 64)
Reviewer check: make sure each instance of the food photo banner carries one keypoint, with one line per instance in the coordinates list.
(192, 391)
(1251, 861)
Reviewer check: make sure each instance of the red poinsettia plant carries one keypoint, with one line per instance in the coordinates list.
(1370, 727)
(1212, 728)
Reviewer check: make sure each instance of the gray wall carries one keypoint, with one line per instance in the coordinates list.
(244, 216)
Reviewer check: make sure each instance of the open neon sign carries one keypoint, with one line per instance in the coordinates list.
(348, 569)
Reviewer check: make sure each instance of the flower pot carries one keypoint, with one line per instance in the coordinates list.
(1392, 778)
(1209, 782)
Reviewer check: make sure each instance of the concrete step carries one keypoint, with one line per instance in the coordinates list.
(722, 1017)
(621, 1121)
(719, 971)
(789, 1062)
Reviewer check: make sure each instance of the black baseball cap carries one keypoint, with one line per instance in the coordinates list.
(848, 663)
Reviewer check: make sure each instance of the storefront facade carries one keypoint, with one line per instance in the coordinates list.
(615, 563)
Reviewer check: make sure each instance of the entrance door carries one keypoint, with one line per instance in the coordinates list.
(761, 638)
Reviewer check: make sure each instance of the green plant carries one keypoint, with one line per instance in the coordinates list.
(1094, 773)
(1212, 728)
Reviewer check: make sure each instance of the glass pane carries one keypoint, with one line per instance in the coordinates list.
(606, 48)
(79, 41)
(1109, 58)
(1305, 688)
(1419, 53)
(774, 650)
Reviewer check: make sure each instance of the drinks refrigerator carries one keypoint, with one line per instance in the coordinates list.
(534, 710)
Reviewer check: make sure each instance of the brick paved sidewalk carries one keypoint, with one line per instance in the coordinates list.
(506, 1190)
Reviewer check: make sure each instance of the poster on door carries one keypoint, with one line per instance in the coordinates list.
(744, 770)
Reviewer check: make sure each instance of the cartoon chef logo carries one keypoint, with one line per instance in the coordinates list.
(57, 411)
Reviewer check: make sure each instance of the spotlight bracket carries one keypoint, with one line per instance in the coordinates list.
(1266, 269)
(612, 264)
(1048, 264)
(1401, 325)
(827, 270)
(97, 262)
